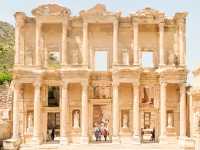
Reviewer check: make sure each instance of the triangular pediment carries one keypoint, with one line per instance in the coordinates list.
(149, 12)
(51, 10)
(98, 10)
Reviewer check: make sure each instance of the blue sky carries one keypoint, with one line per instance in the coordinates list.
(9, 7)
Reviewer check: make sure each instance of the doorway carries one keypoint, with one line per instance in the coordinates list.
(53, 123)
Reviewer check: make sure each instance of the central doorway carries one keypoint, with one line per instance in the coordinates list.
(53, 123)
(101, 123)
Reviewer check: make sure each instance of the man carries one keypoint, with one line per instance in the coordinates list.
(53, 134)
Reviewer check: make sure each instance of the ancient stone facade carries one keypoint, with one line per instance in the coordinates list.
(57, 84)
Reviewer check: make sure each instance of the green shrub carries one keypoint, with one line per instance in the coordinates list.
(5, 77)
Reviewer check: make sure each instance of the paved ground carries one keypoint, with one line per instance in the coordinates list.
(110, 146)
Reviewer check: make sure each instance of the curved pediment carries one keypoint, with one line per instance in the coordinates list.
(51, 10)
(98, 10)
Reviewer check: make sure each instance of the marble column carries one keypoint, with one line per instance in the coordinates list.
(135, 44)
(84, 113)
(115, 42)
(37, 114)
(19, 39)
(161, 44)
(136, 114)
(115, 111)
(181, 44)
(38, 44)
(64, 114)
(163, 112)
(64, 44)
(182, 110)
(85, 43)
(16, 111)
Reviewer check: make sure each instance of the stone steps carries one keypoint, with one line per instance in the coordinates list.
(106, 146)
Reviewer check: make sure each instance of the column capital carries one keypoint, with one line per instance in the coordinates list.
(65, 84)
(163, 83)
(84, 83)
(37, 84)
(135, 84)
(115, 84)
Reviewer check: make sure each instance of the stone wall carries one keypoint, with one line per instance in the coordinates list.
(5, 111)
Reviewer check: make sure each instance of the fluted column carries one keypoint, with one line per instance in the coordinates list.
(182, 44)
(37, 114)
(16, 111)
(64, 44)
(115, 42)
(85, 43)
(84, 113)
(63, 114)
(136, 114)
(161, 44)
(37, 43)
(163, 114)
(115, 111)
(182, 110)
(135, 45)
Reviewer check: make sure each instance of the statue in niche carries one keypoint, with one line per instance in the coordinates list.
(30, 122)
(170, 119)
(125, 121)
(76, 119)
(75, 57)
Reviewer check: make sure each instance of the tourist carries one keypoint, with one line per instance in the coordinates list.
(53, 134)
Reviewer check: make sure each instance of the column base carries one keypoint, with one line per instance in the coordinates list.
(185, 142)
(36, 140)
(163, 140)
(64, 141)
(11, 144)
(136, 139)
(115, 140)
(84, 140)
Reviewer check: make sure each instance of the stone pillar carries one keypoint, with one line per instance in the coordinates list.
(19, 16)
(85, 43)
(37, 43)
(182, 43)
(115, 42)
(136, 114)
(135, 45)
(161, 44)
(115, 111)
(182, 110)
(64, 44)
(37, 114)
(163, 112)
(84, 113)
(63, 114)
(16, 111)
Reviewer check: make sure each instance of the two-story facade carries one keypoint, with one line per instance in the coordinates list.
(100, 69)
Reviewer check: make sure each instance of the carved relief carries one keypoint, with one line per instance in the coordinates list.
(147, 95)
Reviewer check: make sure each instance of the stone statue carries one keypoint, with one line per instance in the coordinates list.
(170, 120)
(30, 122)
(76, 119)
(125, 121)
